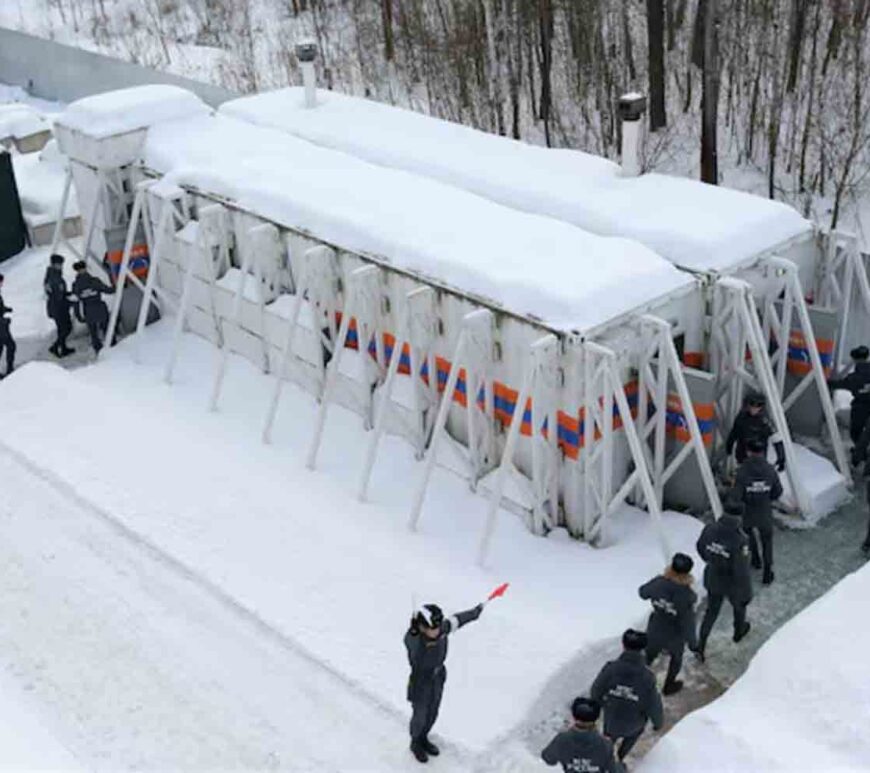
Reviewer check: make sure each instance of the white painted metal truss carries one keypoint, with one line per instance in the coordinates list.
(843, 286)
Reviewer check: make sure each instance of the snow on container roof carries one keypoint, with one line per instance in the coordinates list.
(696, 226)
(126, 110)
(529, 265)
(18, 121)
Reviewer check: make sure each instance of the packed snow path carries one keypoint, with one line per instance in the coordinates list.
(807, 563)
(136, 665)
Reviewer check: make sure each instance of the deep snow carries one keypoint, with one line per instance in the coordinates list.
(697, 226)
(525, 263)
(296, 548)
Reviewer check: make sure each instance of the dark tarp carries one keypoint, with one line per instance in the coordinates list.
(13, 233)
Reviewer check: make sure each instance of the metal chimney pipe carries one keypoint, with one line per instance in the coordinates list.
(631, 110)
(306, 53)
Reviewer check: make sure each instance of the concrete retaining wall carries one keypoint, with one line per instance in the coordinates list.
(58, 72)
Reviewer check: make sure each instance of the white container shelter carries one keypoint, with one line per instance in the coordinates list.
(320, 268)
(707, 230)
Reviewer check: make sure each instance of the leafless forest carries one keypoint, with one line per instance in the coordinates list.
(778, 87)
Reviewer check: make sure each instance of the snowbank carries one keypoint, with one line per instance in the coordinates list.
(337, 577)
(803, 704)
(823, 484)
(125, 110)
(526, 264)
(694, 225)
(26, 743)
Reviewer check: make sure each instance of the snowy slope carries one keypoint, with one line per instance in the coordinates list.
(527, 264)
(803, 704)
(296, 549)
(694, 225)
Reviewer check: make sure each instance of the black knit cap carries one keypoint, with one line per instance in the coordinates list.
(585, 710)
(681, 563)
(634, 640)
(56, 259)
(79, 265)
(860, 353)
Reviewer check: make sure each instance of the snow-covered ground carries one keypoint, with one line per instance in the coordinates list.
(803, 704)
(336, 578)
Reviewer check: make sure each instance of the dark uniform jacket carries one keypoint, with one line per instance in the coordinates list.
(88, 289)
(858, 383)
(56, 294)
(757, 486)
(672, 623)
(426, 656)
(748, 427)
(585, 751)
(4, 320)
(627, 690)
(725, 549)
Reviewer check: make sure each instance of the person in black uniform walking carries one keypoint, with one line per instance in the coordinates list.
(758, 486)
(7, 342)
(753, 423)
(581, 747)
(627, 690)
(858, 383)
(57, 305)
(426, 642)
(724, 547)
(672, 623)
(91, 309)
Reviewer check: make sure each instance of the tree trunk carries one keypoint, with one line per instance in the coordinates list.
(387, 17)
(545, 26)
(797, 23)
(710, 95)
(656, 48)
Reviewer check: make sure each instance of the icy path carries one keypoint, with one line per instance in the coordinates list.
(137, 665)
(807, 564)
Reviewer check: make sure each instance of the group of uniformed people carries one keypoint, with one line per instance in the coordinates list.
(85, 299)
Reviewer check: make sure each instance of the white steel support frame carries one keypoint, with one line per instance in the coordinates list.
(58, 237)
(659, 366)
(539, 384)
(417, 330)
(736, 328)
(779, 327)
(109, 191)
(604, 388)
(141, 213)
(477, 323)
(362, 303)
(174, 214)
(316, 282)
(479, 450)
(253, 248)
(210, 236)
(843, 284)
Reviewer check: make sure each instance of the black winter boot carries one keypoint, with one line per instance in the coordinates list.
(672, 688)
(431, 749)
(768, 577)
(738, 635)
(419, 752)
